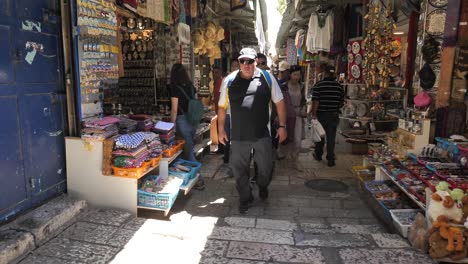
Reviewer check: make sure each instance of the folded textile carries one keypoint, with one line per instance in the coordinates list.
(107, 120)
(130, 152)
(129, 141)
(163, 126)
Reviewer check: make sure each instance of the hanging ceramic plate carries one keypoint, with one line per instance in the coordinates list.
(358, 59)
(349, 110)
(348, 48)
(126, 36)
(129, 56)
(438, 3)
(356, 48)
(131, 23)
(125, 48)
(355, 71)
(135, 55)
(397, 61)
(394, 71)
(350, 57)
(435, 22)
(353, 91)
(361, 110)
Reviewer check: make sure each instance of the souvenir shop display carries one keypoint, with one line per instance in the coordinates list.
(378, 46)
(97, 51)
(144, 80)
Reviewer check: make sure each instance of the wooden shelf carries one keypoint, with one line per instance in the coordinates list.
(368, 119)
(198, 148)
(374, 101)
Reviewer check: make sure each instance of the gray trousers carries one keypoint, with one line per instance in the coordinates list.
(240, 164)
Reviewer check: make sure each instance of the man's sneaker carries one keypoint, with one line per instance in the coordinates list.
(331, 163)
(263, 194)
(244, 206)
(316, 157)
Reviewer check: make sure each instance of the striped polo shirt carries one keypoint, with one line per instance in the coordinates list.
(330, 95)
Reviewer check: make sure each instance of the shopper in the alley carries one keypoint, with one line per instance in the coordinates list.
(283, 72)
(249, 93)
(327, 99)
(182, 90)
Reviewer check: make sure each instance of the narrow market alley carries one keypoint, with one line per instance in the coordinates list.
(295, 225)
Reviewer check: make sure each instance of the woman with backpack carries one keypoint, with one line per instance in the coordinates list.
(182, 92)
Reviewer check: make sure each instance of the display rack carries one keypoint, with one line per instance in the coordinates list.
(403, 189)
(85, 179)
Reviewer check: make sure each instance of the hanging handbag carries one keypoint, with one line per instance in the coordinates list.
(422, 99)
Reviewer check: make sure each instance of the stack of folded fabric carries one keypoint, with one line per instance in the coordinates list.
(100, 128)
(154, 144)
(144, 122)
(131, 150)
(127, 125)
(165, 131)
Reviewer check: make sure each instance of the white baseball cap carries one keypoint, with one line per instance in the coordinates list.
(284, 66)
(247, 53)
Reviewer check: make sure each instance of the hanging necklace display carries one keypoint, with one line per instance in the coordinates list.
(377, 60)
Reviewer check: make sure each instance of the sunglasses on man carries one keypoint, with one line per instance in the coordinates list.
(246, 61)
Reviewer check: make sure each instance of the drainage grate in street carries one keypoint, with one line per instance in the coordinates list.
(305, 150)
(325, 185)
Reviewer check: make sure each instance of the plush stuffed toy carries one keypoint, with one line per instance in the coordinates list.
(442, 204)
(465, 206)
(418, 234)
(437, 246)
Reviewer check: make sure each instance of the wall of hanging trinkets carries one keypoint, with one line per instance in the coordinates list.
(143, 87)
(377, 44)
(97, 52)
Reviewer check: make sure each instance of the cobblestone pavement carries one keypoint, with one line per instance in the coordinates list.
(295, 225)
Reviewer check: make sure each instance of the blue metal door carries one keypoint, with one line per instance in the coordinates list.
(32, 105)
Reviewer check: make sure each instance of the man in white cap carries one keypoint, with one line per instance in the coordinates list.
(249, 93)
(283, 75)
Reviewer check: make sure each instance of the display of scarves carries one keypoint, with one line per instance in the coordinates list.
(159, 10)
(291, 52)
(299, 42)
(130, 152)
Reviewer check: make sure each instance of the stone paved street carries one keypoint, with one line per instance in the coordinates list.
(295, 225)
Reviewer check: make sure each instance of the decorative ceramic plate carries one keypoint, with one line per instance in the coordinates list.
(350, 57)
(348, 48)
(438, 3)
(355, 71)
(394, 71)
(349, 110)
(435, 22)
(361, 110)
(356, 48)
(358, 59)
(353, 91)
(397, 61)
(131, 23)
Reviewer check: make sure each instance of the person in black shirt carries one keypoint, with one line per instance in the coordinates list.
(327, 99)
(249, 94)
(182, 90)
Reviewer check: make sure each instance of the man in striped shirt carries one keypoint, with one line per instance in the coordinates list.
(327, 99)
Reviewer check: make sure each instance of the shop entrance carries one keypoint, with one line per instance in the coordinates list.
(32, 105)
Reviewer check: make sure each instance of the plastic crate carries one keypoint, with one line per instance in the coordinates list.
(155, 161)
(156, 200)
(169, 152)
(180, 144)
(128, 173)
(397, 223)
(193, 165)
(185, 176)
